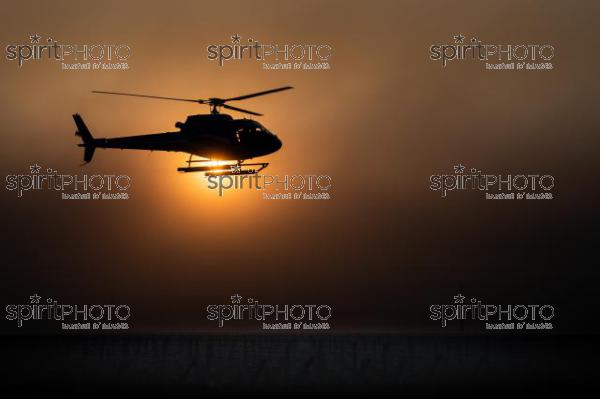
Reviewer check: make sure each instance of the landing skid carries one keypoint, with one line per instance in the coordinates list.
(238, 168)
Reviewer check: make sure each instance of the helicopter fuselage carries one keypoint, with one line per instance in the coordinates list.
(212, 136)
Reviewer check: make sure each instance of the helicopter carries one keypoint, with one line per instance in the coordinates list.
(213, 137)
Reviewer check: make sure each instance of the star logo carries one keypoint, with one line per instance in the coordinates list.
(459, 298)
(236, 298)
(459, 38)
(235, 168)
(460, 168)
(35, 298)
(235, 38)
(35, 38)
(35, 168)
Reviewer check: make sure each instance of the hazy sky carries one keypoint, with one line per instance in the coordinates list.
(380, 122)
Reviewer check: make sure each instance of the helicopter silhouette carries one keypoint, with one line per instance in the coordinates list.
(214, 137)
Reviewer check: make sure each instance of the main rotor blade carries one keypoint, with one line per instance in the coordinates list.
(262, 93)
(241, 110)
(147, 96)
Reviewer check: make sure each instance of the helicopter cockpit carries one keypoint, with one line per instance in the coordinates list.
(248, 129)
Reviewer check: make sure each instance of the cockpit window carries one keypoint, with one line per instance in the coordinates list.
(248, 130)
(243, 133)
